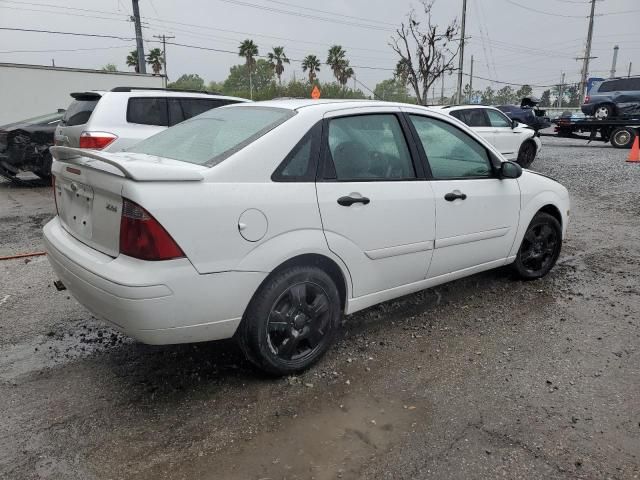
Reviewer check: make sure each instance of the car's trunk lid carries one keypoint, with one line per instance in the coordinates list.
(89, 184)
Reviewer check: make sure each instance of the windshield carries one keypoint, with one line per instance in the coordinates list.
(79, 112)
(214, 135)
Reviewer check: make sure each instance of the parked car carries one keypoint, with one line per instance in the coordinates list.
(24, 146)
(117, 119)
(266, 221)
(613, 97)
(515, 141)
(528, 113)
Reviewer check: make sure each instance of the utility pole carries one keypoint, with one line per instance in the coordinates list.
(587, 56)
(442, 89)
(561, 90)
(615, 60)
(470, 82)
(461, 59)
(142, 67)
(629, 74)
(164, 38)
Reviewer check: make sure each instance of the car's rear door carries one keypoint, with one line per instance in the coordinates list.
(476, 213)
(377, 209)
(505, 138)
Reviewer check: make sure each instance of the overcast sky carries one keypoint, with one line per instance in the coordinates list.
(511, 40)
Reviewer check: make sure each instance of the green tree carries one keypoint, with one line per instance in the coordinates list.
(574, 95)
(505, 96)
(557, 101)
(132, 60)
(277, 58)
(262, 84)
(249, 51)
(110, 67)
(154, 58)
(392, 90)
(190, 81)
(524, 91)
(488, 96)
(345, 73)
(402, 71)
(336, 59)
(545, 99)
(311, 63)
(215, 86)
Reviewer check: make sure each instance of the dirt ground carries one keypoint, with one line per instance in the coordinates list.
(486, 377)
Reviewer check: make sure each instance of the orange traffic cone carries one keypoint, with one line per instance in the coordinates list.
(634, 154)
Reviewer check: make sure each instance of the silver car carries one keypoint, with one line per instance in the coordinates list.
(117, 119)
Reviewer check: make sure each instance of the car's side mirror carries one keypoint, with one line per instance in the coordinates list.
(514, 123)
(510, 170)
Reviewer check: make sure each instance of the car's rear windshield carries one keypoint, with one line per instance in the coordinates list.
(215, 135)
(79, 111)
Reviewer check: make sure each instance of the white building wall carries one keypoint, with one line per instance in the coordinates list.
(31, 90)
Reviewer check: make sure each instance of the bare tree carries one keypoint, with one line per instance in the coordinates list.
(425, 52)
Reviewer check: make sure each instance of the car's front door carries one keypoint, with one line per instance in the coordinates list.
(506, 139)
(476, 213)
(377, 209)
(477, 119)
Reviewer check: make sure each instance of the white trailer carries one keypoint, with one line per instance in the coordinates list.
(31, 90)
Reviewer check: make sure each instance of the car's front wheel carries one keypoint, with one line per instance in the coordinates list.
(540, 247)
(291, 321)
(526, 154)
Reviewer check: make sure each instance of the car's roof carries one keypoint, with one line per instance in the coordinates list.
(162, 93)
(458, 107)
(326, 104)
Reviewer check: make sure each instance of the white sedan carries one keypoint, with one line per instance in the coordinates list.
(268, 221)
(515, 141)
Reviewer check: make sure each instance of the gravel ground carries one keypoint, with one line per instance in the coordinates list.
(481, 378)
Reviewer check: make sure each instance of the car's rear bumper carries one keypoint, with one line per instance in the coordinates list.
(155, 302)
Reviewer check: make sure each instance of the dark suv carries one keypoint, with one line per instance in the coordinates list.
(613, 97)
(528, 113)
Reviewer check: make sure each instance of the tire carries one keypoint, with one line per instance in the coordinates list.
(605, 110)
(540, 247)
(291, 321)
(526, 154)
(622, 137)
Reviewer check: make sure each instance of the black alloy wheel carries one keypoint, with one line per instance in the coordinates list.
(540, 247)
(291, 320)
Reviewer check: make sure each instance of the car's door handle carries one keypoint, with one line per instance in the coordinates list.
(451, 196)
(347, 201)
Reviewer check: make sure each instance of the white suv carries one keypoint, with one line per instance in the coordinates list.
(117, 119)
(515, 141)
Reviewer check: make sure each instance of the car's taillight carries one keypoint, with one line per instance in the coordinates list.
(96, 140)
(141, 236)
(587, 99)
(55, 192)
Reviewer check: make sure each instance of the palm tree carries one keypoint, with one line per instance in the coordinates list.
(249, 51)
(312, 64)
(132, 60)
(345, 72)
(154, 58)
(335, 58)
(277, 59)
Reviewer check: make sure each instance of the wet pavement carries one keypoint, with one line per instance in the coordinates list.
(484, 377)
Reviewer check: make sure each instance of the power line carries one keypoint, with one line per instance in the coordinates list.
(304, 7)
(75, 34)
(65, 49)
(305, 15)
(552, 14)
(69, 14)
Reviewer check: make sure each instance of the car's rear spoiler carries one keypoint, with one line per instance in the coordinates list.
(146, 169)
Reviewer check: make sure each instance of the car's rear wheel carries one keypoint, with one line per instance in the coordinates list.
(605, 110)
(291, 321)
(622, 138)
(527, 154)
(540, 247)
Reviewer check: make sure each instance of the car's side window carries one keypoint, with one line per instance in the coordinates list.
(300, 164)
(473, 117)
(368, 147)
(497, 119)
(451, 153)
(148, 111)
